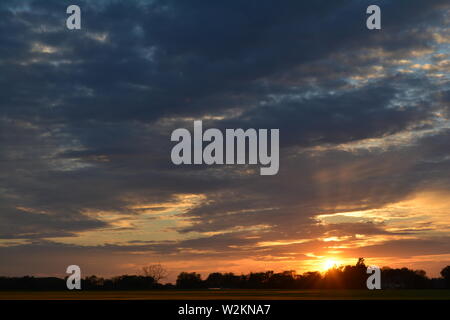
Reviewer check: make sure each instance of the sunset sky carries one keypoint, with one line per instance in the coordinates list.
(86, 117)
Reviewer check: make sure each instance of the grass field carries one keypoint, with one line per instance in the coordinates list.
(232, 295)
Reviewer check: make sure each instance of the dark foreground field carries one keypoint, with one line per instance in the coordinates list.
(232, 295)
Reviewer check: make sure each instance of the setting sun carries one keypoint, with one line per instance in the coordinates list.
(329, 264)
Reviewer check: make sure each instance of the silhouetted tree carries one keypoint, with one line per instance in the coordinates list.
(309, 280)
(343, 277)
(215, 280)
(283, 280)
(404, 278)
(92, 283)
(445, 273)
(258, 280)
(333, 278)
(189, 280)
(127, 282)
(355, 277)
(155, 271)
(32, 283)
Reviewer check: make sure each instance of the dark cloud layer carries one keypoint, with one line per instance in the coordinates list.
(86, 116)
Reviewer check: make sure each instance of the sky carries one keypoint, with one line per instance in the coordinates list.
(86, 117)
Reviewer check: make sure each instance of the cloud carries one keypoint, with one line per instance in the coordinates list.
(86, 116)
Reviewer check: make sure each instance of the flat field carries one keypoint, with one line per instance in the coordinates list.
(231, 295)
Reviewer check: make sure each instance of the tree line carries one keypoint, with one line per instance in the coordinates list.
(342, 277)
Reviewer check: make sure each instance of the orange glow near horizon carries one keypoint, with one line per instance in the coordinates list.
(329, 263)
